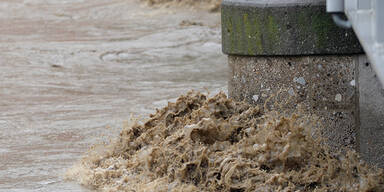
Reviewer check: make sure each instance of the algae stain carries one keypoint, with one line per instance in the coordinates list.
(242, 33)
(253, 34)
(230, 33)
(302, 21)
(238, 26)
(248, 33)
(273, 32)
(257, 34)
(321, 26)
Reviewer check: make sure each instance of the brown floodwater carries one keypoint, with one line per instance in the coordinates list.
(73, 71)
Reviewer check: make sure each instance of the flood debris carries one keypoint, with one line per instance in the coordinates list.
(216, 144)
(185, 23)
(210, 5)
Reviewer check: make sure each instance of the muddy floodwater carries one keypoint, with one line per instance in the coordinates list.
(73, 71)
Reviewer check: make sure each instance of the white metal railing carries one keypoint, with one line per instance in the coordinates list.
(367, 19)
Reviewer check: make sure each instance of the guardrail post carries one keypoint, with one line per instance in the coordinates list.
(293, 47)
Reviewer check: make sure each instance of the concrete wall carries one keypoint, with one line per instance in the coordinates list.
(323, 86)
(292, 52)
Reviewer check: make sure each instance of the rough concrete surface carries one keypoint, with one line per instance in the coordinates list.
(274, 3)
(371, 101)
(283, 28)
(321, 85)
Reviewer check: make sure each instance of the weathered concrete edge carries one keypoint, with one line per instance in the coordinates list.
(273, 3)
(371, 106)
(250, 28)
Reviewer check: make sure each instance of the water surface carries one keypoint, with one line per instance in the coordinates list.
(73, 71)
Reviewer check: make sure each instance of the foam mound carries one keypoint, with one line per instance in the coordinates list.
(216, 144)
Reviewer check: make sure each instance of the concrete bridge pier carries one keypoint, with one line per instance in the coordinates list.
(293, 47)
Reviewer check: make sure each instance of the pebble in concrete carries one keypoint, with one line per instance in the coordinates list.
(338, 97)
(353, 83)
(299, 80)
(291, 92)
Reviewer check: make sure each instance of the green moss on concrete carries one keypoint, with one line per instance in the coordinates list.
(248, 33)
(253, 33)
(294, 30)
(302, 21)
(322, 26)
(228, 30)
(239, 33)
(257, 34)
(273, 32)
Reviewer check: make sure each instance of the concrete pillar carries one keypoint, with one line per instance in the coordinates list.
(371, 105)
(323, 86)
(294, 47)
